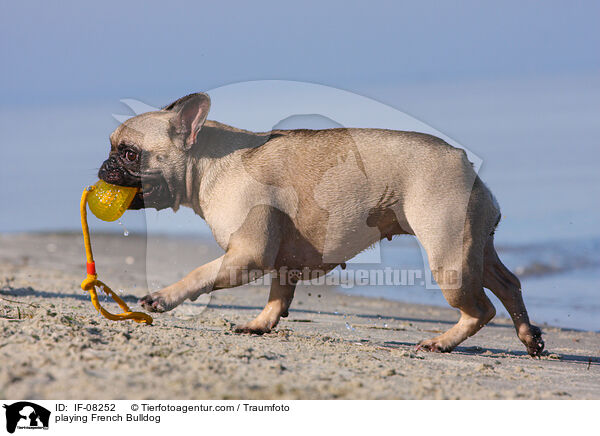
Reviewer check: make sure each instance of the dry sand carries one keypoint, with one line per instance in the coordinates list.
(54, 345)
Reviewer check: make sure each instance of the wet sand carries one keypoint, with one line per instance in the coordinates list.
(54, 345)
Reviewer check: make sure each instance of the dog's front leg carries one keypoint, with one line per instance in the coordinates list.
(227, 271)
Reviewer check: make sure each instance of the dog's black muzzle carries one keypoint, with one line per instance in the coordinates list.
(112, 172)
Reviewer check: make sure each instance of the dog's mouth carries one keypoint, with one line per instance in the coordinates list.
(154, 192)
(153, 188)
(148, 189)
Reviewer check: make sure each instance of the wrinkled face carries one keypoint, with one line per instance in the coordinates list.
(150, 151)
(139, 149)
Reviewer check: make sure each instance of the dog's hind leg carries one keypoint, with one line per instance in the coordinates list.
(507, 287)
(453, 234)
(461, 283)
(280, 298)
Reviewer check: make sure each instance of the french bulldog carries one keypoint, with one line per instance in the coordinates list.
(293, 203)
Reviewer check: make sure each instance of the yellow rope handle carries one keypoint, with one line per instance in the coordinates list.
(91, 282)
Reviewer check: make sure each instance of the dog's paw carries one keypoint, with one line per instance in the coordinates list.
(154, 303)
(253, 328)
(434, 345)
(532, 338)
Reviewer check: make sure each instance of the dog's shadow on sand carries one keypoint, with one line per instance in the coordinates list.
(83, 296)
(467, 351)
(495, 353)
(357, 315)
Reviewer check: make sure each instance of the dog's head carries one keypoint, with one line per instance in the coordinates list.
(151, 151)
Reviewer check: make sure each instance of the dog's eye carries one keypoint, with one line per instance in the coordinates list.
(131, 156)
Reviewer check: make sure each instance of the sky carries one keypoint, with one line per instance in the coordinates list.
(82, 51)
(516, 82)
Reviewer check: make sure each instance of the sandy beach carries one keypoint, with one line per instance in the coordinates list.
(332, 346)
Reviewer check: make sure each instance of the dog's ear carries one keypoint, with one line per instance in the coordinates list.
(190, 113)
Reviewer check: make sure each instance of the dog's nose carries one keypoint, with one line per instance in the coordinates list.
(109, 170)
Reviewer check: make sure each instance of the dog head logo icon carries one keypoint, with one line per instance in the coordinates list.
(26, 415)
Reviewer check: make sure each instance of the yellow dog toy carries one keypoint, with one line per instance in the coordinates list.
(108, 202)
